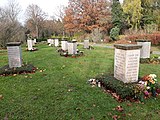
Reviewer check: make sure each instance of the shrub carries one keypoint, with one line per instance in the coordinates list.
(154, 37)
(26, 68)
(114, 33)
(41, 39)
(152, 60)
(125, 90)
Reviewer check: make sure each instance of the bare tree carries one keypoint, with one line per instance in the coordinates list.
(11, 29)
(59, 13)
(35, 19)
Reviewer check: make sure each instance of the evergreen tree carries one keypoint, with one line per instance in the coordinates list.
(117, 14)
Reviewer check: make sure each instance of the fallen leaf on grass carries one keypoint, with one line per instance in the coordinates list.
(94, 105)
(6, 117)
(129, 104)
(92, 118)
(129, 114)
(78, 109)
(119, 108)
(1, 97)
(109, 114)
(115, 117)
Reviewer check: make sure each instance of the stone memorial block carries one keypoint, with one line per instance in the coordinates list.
(51, 41)
(56, 42)
(48, 41)
(33, 43)
(14, 54)
(30, 44)
(64, 45)
(126, 62)
(72, 47)
(86, 44)
(146, 47)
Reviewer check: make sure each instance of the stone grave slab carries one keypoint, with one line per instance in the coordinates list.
(146, 47)
(86, 44)
(64, 45)
(126, 62)
(56, 42)
(72, 47)
(30, 44)
(14, 54)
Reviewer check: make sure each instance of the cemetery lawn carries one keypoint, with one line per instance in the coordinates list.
(59, 90)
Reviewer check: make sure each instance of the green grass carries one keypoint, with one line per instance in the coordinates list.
(60, 92)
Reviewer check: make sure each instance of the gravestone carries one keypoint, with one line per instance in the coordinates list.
(14, 54)
(56, 42)
(126, 62)
(33, 43)
(51, 42)
(48, 41)
(86, 44)
(72, 47)
(64, 45)
(146, 47)
(30, 44)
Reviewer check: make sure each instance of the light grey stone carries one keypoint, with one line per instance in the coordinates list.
(14, 56)
(145, 50)
(126, 64)
(30, 44)
(72, 48)
(64, 45)
(86, 44)
(56, 42)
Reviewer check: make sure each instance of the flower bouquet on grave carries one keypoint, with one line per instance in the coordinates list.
(150, 82)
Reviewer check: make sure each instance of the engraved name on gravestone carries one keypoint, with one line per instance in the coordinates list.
(64, 44)
(72, 47)
(146, 47)
(126, 63)
(14, 54)
(86, 44)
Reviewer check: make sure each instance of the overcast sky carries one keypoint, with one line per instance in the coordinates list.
(48, 6)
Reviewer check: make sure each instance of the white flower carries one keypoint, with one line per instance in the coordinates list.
(145, 83)
(152, 75)
(148, 88)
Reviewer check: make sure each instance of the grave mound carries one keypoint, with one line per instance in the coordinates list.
(26, 68)
(134, 92)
